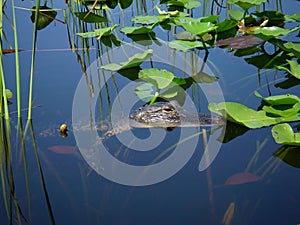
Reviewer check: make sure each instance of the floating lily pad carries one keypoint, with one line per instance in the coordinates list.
(188, 4)
(145, 91)
(284, 134)
(184, 45)
(159, 78)
(45, 17)
(98, 32)
(198, 28)
(137, 30)
(149, 19)
(240, 42)
(238, 113)
(281, 108)
(294, 48)
(246, 4)
(287, 99)
(90, 17)
(133, 61)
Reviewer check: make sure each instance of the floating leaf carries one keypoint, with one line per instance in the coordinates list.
(145, 91)
(90, 17)
(149, 19)
(98, 32)
(198, 28)
(184, 46)
(235, 14)
(45, 17)
(241, 114)
(294, 48)
(133, 61)
(240, 42)
(246, 4)
(287, 99)
(63, 149)
(271, 32)
(159, 78)
(136, 30)
(242, 178)
(284, 134)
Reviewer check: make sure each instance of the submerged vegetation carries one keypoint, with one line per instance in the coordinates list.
(263, 38)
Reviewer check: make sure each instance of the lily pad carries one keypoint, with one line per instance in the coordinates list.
(198, 28)
(183, 45)
(284, 134)
(246, 4)
(90, 17)
(159, 78)
(241, 114)
(145, 91)
(287, 99)
(133, 61)
(149, 19)
(294, 48)
(45, 17)
(240, 42)
(98, 32)
(137, 30)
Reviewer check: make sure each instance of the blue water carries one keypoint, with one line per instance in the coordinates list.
(80, 195)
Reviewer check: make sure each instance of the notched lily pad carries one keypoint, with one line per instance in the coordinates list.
(183, 45)
(133, 61)
(46, 16)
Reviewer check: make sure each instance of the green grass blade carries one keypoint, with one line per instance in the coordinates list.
(33, 59)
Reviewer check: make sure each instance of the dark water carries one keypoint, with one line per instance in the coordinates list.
(80, 195)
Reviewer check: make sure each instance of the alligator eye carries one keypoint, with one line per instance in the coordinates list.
(167, 109)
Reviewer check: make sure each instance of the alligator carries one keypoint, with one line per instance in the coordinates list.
(168, 115)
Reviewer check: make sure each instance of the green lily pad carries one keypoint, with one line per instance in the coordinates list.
(246, 4)
(287, 99)
(45, 17)
(133, 61)
(235, 14)
(238, 113)
(198, 28)
(183, 45)
(137, 30)
(294, 48)
(145, 91)
(292, 18)
(98, 32)
(149, 19)
(90, 17)
(159, 78)
(284, 134)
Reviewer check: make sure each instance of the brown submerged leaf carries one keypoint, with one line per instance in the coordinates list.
(63, 149)
(240, 42)
(242, 178)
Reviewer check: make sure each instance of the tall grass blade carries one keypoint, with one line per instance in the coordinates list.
(16, 59)
(33, 59)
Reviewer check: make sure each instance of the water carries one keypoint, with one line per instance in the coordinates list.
(77, 191)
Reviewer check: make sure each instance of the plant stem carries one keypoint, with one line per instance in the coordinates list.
(37, 8)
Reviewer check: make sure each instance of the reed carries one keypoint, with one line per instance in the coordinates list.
(29, 117)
